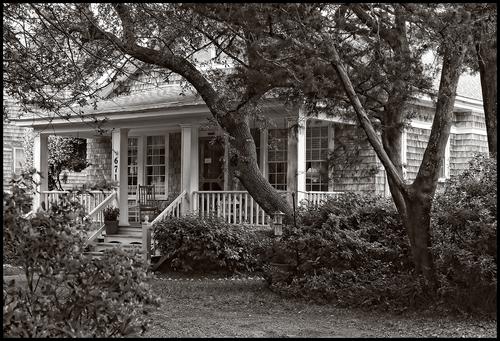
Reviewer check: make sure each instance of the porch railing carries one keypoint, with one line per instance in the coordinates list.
(175, 209)
(89, 200)
(235, 207)
(96, 216)
(316, 198)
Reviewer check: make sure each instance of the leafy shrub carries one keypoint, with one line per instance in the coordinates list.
(66, 292)
(193, 244)
(352, 250)
(464, 238)
(111, 213)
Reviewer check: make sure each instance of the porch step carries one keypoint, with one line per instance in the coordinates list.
(123, 238)
(98, 247)
(130, 230)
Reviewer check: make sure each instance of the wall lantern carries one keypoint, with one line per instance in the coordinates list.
(278, 223)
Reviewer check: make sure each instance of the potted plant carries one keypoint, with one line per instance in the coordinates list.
(111, 219)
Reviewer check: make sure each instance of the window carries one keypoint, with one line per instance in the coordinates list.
(317, 158)
(277, 158)
(19, 158)
(132, 165)
(155, 163)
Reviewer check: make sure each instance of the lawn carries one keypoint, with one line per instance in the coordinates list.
(214, 306)
(209, 307)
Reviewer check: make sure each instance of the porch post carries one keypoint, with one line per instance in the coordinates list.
(292, 160)
(189, 161)
(119, 142)
(40, 163)
(263, 151)
(301, 155)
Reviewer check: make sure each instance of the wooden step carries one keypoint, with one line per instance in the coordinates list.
(122, 238)
(103, 246)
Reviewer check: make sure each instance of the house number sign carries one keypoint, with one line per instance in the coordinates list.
(115, 167)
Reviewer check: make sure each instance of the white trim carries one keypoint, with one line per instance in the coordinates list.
(14, 160)
(453, 130)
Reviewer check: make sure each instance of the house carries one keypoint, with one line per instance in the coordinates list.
(157, 134)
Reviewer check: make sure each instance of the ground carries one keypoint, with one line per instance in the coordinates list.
(210, 307)
(242, 306)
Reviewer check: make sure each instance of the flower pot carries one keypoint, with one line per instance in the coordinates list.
(111, 227)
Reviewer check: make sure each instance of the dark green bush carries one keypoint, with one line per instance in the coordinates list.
(67, 294)
(192, 244)
(464, 238)
(352, 250)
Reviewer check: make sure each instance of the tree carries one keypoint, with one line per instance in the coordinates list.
(55, 55)
(389, 27)
(65, 153)
(485, 44)
(374, 53)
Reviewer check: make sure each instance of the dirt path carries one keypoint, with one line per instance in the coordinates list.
(246, 308)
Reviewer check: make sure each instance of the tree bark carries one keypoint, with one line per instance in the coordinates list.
(487, 59)
(246, 168)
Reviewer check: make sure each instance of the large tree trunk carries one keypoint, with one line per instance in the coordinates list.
(246, 169)
(417, 221)
(487, 59)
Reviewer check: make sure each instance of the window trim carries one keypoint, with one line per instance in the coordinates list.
(446, 162)
(14, 159)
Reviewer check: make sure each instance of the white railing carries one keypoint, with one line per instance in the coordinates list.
(97, 218)
(316, 198)
(174, 209)
(235, 207)
(89, 200)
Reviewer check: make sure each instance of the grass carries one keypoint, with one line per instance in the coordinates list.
(246, 308)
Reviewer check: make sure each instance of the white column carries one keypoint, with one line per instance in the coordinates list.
(40, 163)
(292, 156)
(331, 146)
(119, 146)
(263, 151)
(189, 159)
(301, 156)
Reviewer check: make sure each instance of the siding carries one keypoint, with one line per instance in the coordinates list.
(174, 163)
(99, 155)
(13, 137)
(352, 168)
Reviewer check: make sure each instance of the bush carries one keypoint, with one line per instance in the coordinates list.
(352, 250)
(464, 238)
(193, 244)
(66, 292)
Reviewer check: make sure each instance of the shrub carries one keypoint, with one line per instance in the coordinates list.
(111, 213)
(352, 250)
(66, 292)
(464, 238)
(193, 244)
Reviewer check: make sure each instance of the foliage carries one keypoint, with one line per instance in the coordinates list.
(65, 153)
(352, 250)
(66, 292)
(111, 213)
(464, 234)
(192, 244)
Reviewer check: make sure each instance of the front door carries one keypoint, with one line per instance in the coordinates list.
(211, 164)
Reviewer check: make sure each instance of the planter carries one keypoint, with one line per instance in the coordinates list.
(111, 227)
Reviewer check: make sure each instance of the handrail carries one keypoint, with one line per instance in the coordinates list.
(169, 208)
(100, 207)
(147, 227)
(95, 235)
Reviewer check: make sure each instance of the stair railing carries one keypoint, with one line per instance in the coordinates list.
(95, 213)
(175, 209)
